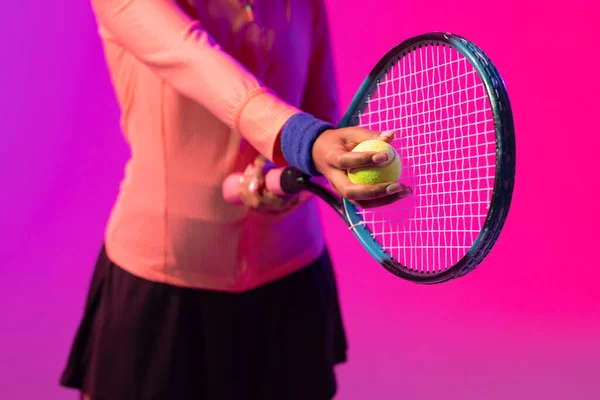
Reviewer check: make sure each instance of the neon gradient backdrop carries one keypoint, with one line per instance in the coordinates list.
(525, 325)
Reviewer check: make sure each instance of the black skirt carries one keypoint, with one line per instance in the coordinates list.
(142, 340)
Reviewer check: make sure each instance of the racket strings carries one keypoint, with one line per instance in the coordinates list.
(435, 101)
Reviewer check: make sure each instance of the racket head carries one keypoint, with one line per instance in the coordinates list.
(425, 255)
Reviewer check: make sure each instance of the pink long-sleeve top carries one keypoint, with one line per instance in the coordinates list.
(203, 89)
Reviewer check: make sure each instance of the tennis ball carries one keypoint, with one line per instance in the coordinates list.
(388, 171)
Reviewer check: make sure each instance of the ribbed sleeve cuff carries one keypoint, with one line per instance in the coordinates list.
(297, 138)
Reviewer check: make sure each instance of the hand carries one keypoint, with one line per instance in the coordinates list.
(332, 155)
(255, 195)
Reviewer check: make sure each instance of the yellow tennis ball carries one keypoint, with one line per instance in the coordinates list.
(388, 171)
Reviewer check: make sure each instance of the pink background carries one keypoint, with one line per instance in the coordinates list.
(525, 325)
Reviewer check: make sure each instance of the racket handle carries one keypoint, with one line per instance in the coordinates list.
(231, 185)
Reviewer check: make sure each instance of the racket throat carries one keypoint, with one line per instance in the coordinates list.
(294, 181)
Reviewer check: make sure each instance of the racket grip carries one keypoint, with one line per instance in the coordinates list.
(231, 185)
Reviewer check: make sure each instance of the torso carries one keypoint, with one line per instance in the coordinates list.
(170, 222)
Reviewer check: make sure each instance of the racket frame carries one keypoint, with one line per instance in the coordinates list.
(505, 157)
(291, 180)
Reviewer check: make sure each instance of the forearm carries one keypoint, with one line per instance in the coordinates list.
(182, 53)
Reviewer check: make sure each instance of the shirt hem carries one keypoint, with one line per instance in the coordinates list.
(194, 280)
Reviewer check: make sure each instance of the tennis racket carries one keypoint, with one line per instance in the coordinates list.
(455, 138)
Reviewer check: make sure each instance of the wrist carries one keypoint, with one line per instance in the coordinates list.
(298, 138)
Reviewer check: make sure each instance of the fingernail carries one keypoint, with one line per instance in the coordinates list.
(380, 158)
(394, 188)
(399, 189)
(386, 134)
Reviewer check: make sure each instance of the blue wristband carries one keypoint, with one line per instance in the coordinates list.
(297, 138)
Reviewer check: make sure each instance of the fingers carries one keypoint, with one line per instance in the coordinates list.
(333, 156)
(280, 203)
(387, 136)
(350, 160)
(356, 135)
(383, 201)
(254, 194)
(250, 186)
(354, 192)
(374, 192)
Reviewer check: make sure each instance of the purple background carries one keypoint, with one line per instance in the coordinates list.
(525, 325)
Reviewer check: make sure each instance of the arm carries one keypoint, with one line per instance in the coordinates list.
(320, 99)
(320, 95)
(176, 48)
